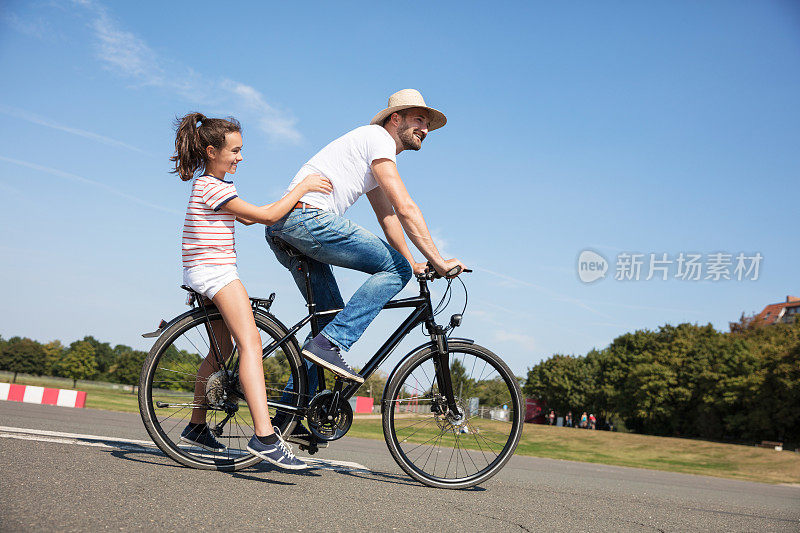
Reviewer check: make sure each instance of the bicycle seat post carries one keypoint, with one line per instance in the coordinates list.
(312, 307)
(302, 260)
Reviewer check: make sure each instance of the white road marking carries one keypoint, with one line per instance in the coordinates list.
(20, 436)
(99, 441)
(328, 464)
(75, 436)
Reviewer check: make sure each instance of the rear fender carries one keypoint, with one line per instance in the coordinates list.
(164, 324)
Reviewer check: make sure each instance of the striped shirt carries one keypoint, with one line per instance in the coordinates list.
(207, 231)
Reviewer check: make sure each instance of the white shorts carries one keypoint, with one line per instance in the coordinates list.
(209, 279)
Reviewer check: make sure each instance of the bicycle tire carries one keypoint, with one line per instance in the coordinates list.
(409, 420)
(170, 357)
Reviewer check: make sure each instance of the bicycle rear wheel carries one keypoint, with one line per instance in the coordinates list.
(439, 448)
(167, 397)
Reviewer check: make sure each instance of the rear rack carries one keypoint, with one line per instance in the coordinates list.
(256, 303)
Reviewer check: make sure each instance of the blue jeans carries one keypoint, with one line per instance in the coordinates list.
(328, 239)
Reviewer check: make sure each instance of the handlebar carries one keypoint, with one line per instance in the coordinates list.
(430, 273)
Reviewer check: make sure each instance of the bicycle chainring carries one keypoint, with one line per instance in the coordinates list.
(326, 421)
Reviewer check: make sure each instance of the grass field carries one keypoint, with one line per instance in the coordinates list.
(623, 449)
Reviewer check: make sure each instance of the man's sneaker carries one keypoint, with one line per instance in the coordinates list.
(278, 454)
(201, 436)
(300, 435)
(317, 351)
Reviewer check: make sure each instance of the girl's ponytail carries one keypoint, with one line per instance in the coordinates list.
(191, 141)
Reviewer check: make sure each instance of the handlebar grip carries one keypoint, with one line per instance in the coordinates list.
(431, 273)
(455, 271)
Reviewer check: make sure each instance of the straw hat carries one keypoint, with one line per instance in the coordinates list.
(406, 99)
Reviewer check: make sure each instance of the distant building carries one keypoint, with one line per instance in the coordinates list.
(782, 312)
(772, 314)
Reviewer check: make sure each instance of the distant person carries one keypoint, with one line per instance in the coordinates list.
(551, 418)
(592, 422)
(568, 419)
(584, 420)
(212, 147)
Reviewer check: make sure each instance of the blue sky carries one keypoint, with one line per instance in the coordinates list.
(657, 127)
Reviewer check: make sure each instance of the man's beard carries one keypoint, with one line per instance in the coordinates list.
(410, 142)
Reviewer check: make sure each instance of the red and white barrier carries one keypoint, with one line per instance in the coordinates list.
(363, 404)
(42, 395)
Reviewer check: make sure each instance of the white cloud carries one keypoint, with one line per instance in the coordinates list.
(9, 190)
(32, 28)
(271, 120)
(441, 243)
(525, 343)
(41, 121)
(508, 281)
(125, 53)
(511, 282)
(129, 56)
(87, 181)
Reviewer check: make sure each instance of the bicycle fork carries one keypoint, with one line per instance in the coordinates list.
(441, 363)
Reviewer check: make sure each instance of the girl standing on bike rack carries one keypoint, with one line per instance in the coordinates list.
(214, 146)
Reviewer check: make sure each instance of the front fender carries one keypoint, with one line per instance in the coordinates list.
(412, 353)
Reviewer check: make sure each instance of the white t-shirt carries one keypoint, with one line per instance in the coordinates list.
(347, 162)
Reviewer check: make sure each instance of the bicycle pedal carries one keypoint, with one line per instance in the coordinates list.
(311, 450)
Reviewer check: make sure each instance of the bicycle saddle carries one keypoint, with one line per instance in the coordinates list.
(189, 289)
(290, 250)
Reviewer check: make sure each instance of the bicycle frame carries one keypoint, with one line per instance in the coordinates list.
(422, 314)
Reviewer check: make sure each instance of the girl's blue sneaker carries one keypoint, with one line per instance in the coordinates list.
(201, 436)
(278, 453)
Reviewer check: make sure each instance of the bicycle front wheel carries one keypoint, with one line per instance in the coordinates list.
(453, 450)
(171, 378)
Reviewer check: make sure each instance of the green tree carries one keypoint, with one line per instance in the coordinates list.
(78, 362)
(127, 367)
(103, 354)
(53, 352)
(491, 392)
(768, 395)
(686, 380)
(563, 382)
(462, 385)
(22, 355)
(277, 370)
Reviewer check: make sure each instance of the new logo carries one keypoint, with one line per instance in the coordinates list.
(591, 266)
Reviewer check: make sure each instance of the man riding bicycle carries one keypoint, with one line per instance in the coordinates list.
(360, 162)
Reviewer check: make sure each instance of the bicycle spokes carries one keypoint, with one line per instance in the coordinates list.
(186, 384)
(460, 439)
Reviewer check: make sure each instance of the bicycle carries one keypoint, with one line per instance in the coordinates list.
(433, 424)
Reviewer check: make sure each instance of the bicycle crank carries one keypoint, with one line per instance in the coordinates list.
(329, 417)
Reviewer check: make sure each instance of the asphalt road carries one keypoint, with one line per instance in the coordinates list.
(53, 481)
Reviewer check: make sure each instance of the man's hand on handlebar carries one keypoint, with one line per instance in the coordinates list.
(452, 268)
(419, 268)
